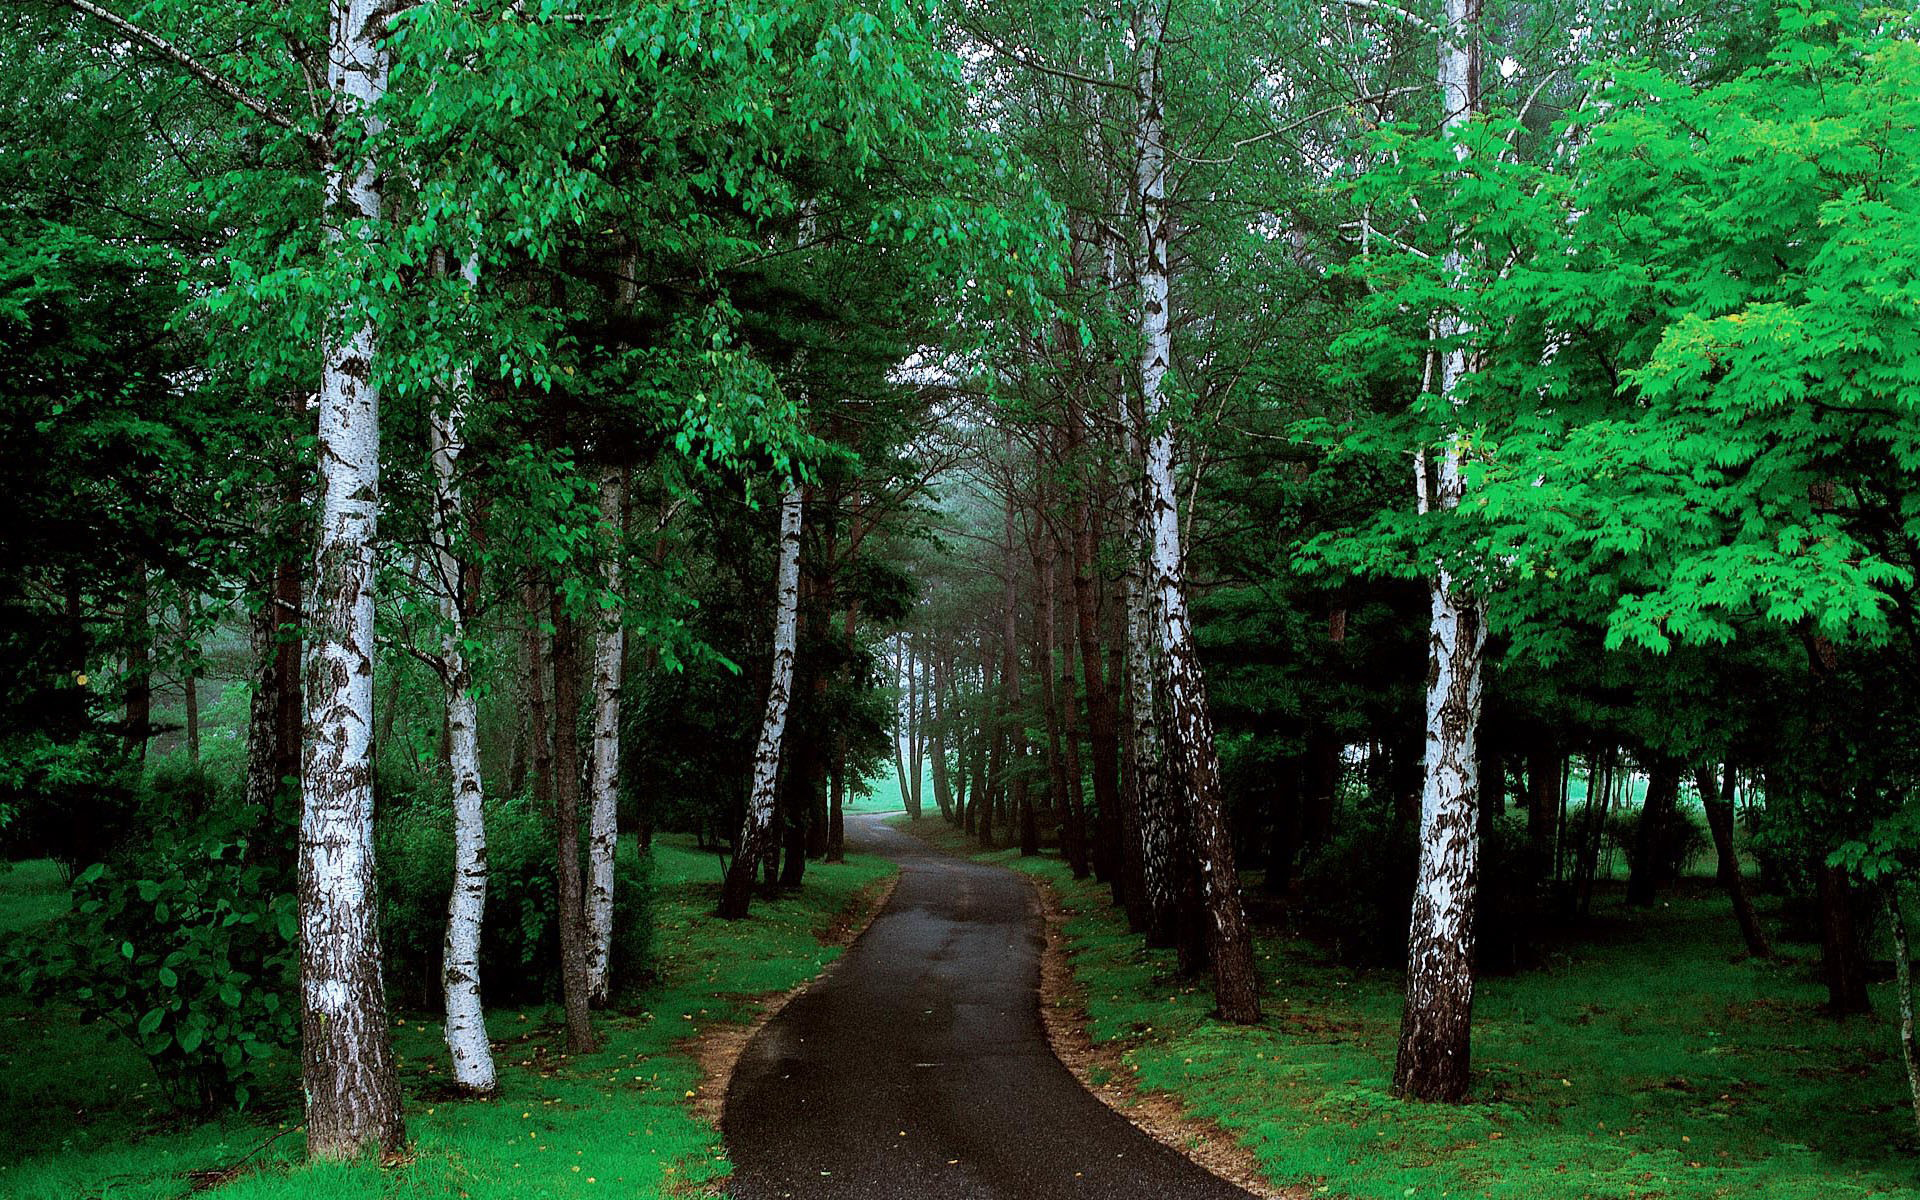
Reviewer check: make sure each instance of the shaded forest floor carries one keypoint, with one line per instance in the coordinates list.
(83, 1118)
(1641, 1058)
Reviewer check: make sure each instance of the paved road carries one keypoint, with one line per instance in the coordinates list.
(918, 1068)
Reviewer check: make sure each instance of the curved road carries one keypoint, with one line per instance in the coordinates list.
(917, 1067)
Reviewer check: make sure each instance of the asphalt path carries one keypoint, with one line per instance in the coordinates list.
(917, 1066)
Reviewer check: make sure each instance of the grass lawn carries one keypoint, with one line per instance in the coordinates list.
(84, 1119)
(1640, 1061)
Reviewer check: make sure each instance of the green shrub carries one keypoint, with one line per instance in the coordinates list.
(186, 943)
(520, 942)
(1357, 891)
(1682, 840)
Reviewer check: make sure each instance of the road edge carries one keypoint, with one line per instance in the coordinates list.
(717, 1049)
(1160, 1115)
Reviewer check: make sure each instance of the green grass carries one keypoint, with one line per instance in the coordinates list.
(1642, 1060)
(881, 794)
(84, 1118)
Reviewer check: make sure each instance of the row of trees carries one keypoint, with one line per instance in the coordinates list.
(1565, 351)
(1311, 428)
(470, 346)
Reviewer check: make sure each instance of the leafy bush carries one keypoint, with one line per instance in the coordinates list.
(520, 941)
(73, 802)
(186, 943)
(1682, 840)
(1357, 891)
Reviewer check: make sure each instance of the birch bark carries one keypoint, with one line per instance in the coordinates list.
(603, 769)
(1435, 1030)
(1193, 761)
(347, 1067)
(466, 1026)
(756, 831)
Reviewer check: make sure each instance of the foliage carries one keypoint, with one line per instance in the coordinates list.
(186, 945)
(520, 941)
(1720, 1082)
(620, 1116)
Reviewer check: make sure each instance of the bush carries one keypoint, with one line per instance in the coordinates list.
(1357, 892)
(1682, 840)
(187, 943)
(520, 941)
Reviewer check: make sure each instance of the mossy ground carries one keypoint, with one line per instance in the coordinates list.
(1643, 1058)
(84, 1118)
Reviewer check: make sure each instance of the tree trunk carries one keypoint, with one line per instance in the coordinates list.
(138, 633)
(1600, 775)
(757, 827)
(1648, 870)
(1103, 739)
(262, 783)
(837, 801)
(190, 678)
(466, 1025)
(1718, 803)
(903, 736)
(570, 890)
(1063, 704)
(917, 737)
(603, 778)
(1903, 975)
(1435, 1030)
(1544, 764)
(937, 717)
(347, 1067)
(1194, 762)
(837, 785)
(1322, 785)
(1842, 964)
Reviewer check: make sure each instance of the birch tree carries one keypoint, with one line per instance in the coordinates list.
(756, 831)
(1193, 761)
(1435, 1030)
(466, 1024)
(603, 769)
(352, 1096)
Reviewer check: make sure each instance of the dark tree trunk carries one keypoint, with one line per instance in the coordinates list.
(1718, 802)
(1080, 854)
(937, 739)
(1283, 844)
(190, 681)
(1544, 764)
(1322, 786)
(1842, 963)
(1648, 870)
(1600, 776)
(139, 695)
(570, 889)
(917, 730)
(263, 785)
(1103, 731)
(836, 802)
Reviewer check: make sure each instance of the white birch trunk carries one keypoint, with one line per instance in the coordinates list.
(1193, 767)
(1435, 1031)
(347, 1068)
(466, 1027)
(1903, 980)
(603, 769)
(757, 828)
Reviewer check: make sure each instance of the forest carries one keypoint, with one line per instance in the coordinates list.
(869, 597)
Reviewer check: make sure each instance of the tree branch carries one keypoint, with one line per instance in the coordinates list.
(199, 70)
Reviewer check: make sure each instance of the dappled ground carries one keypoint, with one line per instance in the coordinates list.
(1642, 1059)
(83, 1119)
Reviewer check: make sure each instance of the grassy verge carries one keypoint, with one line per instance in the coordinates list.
(84, 1119)
(1642, 1060)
